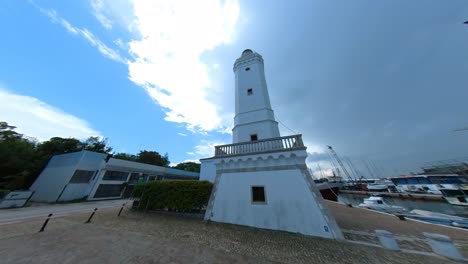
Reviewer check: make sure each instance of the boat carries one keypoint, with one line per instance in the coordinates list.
(456, 196)
(380, 185)
(437, 218)
(428, 184)
(375, 187)
(329, 190)
(377, 203)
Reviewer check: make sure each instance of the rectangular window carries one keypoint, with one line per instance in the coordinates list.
(249, 91)
(258, 194)
(82, 176)
(135, 178)
(115, 176)
(108, 190)
(253, 137)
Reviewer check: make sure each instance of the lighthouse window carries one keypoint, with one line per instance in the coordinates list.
(258, 194)
(249, 91)
(247, 69)
(253, 137)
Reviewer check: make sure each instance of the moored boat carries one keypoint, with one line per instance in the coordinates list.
(456, 196)
(438, 218)
(329, 190)
(428, 184)
(377, 203)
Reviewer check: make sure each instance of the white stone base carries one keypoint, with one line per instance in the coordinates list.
(293, 203)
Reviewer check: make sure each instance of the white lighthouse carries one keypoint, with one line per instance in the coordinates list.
(261, 179)
(254, 119)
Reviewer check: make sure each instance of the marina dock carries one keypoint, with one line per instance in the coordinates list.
(415, 196)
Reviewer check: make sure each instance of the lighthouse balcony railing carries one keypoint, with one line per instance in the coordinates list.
(293, 142)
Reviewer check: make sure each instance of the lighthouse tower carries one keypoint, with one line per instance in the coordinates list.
(254, 119)
(261, 179)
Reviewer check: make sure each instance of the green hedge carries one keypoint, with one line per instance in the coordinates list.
(177, 195)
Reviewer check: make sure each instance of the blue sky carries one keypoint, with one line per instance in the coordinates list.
(383, 82)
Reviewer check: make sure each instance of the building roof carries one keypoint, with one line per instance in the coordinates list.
(146, 168)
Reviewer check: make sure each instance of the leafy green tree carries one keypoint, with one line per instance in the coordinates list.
(17, 156)
(7, 131)
(125, 156)
(97, 144)
(188, 166)
(153, 157)
(58, 145)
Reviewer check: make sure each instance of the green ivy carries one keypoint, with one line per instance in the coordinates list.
(176, 195)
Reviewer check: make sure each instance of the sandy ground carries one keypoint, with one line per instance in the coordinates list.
(158, 238)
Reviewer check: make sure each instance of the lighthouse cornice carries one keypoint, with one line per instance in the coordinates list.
(248, 59)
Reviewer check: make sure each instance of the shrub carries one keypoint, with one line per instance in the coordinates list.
(176, 195)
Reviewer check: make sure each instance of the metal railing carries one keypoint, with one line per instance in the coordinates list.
(259, 146)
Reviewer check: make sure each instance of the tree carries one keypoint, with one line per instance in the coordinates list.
(7, 131)
(97, 144)
(58, 145)
(153, 157)
(188, 166)
(17, 156)
(125, 156)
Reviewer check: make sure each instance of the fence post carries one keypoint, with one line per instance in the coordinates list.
(123, 205)
(91, 216)
(45, 223)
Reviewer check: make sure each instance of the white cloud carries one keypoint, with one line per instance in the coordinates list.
(35, 118)
(99, 10)
(182, 134)
(85, 33)
(170, 37)
(120, 43)
(205, 148)
(103, 48)
(167, 61)
(113, 14)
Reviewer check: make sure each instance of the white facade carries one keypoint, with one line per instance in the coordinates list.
(254, 115)
(55, 182)
(87, 175)
(208, 170)
(293, 203)
(263, 181)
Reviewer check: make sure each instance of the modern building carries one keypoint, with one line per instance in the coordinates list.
(261, 180)
(89, 175)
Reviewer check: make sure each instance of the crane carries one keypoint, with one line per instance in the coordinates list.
(343, 168)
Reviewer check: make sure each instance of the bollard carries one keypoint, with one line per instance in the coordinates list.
(387, 240)
(401, 217)
(442, 245)
(45, 223)
(91, 216)
(123, 205)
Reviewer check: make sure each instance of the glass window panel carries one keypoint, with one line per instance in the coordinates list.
(82, 176)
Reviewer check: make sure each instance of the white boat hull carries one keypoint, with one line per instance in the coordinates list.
(456, 201)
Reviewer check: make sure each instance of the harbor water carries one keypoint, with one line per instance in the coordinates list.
(410, 204)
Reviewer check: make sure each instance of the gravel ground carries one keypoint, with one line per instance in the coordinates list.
(157, 238)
